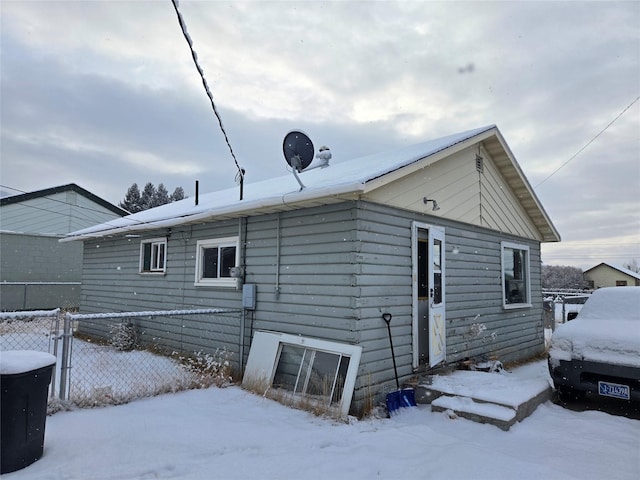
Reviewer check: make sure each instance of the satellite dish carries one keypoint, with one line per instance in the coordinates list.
(298, 150)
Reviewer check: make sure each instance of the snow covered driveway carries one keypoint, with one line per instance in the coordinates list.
(232, 434)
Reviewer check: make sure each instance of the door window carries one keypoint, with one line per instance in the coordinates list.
(437, 271)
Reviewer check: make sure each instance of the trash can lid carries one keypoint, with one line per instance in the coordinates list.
(22, 361)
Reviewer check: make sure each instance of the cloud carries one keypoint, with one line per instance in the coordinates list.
(105, 94)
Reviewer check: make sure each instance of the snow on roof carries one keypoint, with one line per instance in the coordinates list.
(626, 271)
(339, 179)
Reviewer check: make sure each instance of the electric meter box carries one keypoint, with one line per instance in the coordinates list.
(249, 296)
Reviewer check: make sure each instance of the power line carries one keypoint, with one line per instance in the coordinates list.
(194, 55)
(109, 223)
(82, 209)
(589, 142)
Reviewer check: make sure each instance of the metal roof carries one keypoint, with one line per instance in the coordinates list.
(339, 182)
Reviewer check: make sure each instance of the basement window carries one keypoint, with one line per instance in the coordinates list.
(153, 255)
(302, 371)
(214, 260)
(515, 275)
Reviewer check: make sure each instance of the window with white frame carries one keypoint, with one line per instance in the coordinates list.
(153, 255)
(214, 260)
(515, 275)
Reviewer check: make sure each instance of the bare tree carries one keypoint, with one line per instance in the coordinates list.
(632, 265)
(560, 276)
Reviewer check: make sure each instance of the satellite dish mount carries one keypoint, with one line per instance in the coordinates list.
(298, 151)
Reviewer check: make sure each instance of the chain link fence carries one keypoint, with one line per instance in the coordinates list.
(562, 305)
(33, 330)
(113, 358)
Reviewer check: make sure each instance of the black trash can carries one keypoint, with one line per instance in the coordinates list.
(24, 385)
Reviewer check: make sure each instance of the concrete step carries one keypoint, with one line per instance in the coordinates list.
(482, 412)
(492, 398)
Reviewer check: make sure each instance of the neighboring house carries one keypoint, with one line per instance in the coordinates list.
(462, 281)
(37, 270)
(608, 275)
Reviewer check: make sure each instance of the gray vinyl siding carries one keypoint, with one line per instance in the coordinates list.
(317, 271)
(38, 272)
(340, 267)
(58, 213)
(384, 281)
(112, 283)
(473, 294)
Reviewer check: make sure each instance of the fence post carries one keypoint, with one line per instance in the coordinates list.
(56, 337)
(67, 337)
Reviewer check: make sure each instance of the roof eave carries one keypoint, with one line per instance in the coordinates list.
(536, 212)
(288, 201)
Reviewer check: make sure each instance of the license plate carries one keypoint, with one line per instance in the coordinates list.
(614, 390)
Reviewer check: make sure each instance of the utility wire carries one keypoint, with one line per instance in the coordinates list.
(194, 55)
(81, 209)
(589, 142)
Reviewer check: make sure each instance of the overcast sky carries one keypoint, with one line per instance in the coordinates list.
(105, 93)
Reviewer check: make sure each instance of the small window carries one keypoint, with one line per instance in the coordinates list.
(621, 283)
(153, 255)
(214, 261)
(515, 275)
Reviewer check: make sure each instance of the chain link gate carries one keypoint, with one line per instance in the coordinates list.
(37, 330)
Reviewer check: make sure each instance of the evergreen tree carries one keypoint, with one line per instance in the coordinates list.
(178, 194)
(147, 197)
(161, 196)
(151, 197)
(131, 202)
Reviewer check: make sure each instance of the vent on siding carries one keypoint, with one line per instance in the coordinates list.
(479, 163)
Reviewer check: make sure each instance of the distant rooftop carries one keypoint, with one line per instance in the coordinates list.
(626, 271)
(21, 197)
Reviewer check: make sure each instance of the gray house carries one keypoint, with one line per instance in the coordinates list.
(444, 236)
(37, 270)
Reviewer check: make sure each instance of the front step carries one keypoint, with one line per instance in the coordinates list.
(465, 407)
(492, 398)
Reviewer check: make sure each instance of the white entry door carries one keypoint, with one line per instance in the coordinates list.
(429, 326)
(437, 327)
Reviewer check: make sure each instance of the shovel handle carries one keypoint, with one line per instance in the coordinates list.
(387, 318)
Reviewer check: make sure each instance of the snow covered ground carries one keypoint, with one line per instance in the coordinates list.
(99, 374)
(232, 434)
